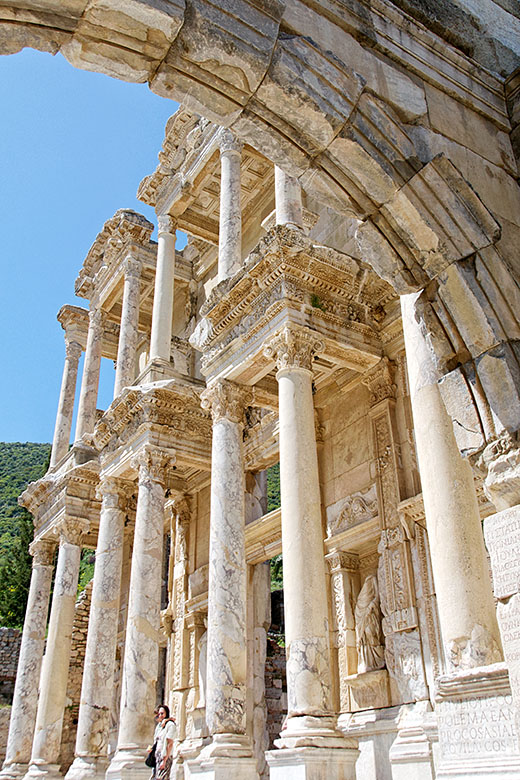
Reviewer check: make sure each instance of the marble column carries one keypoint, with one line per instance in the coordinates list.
(288, 200)
(23, 711)
(161, 337)
(310, 744)
(460, 571)
(61, 440)
(126, 351)
(90, 381)
(230, 225)
(227, 597)
(143, 623)
(96, 690)
(55, 666)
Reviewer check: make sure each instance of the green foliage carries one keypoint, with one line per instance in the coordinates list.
(19, 465)
(86, 569)
(273, 487)
(277, 573)
(317, 303)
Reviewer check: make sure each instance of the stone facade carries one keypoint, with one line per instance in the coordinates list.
(10, 639)
(346, 305)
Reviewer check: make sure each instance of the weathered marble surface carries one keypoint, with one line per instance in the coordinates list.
(161, 335)
(465, 601)
(90, 381)
(61, 439)
(230, 227)
(96, 692)
(24, 706)
(227, 638)
(126, 353)
(143, 622)
(53, 679)
(288, 199)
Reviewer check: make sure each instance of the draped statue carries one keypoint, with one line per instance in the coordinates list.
(369, 637)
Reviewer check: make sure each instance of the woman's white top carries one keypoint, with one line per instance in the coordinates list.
(164, 731)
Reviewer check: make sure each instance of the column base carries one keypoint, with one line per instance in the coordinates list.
(44, 772)
(128, 764)
(477, 731)
(226, 757)
(12, 771)
(87, 768)
(313, 731)
(311, 763)
(411, 754)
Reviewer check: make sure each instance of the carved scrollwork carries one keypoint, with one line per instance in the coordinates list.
(42, 551)
(228, 142)
(293, 347)
(71, 530)
(152, 463)
(226, 401)
(166, 224)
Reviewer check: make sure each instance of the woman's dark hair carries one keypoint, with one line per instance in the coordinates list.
(165, 708)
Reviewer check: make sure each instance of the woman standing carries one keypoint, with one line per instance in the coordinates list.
(164, 736)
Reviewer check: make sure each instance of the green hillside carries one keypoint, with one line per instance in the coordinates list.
(19, 464)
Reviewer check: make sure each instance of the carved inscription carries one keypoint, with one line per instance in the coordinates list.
(502, 533)
(477, 727)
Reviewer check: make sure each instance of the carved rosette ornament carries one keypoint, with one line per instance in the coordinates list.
(42, 551)
(166, 224)
(226, 401)
(152, 463)
(229, 143)
(293, 347)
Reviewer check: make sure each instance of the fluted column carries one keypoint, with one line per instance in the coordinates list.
(25, 702)
(230, 225)
(288, 199)
(227, 605)
(61, 440)
(55, 666)
(90, 381)
(126, 351)
(98, 674)
(143, 622)
(161, 337)
(460, 570)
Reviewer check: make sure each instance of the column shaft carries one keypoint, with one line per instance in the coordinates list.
(55, 666)
(462, 584)
(160, 340)
(126, 351)
(90, 381)
(25, 702)
(61, 440)
(143, 623)
(288, 199)
(96, 689)
(230, 225)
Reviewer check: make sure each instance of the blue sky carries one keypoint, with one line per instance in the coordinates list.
(73, 148)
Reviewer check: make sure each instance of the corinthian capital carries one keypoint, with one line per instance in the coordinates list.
(71, 530)
(293, 347)
(42, 551)
(165, 224)
(132, 267)
(153, 463)
(112, 492)
(97, 318)
(228, 142)
(226, 401)
(73, 350)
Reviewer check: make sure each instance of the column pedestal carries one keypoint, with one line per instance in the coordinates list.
(312, 763)
(25, 702)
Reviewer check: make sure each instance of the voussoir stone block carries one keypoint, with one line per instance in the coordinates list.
(126, 39)
(307, 93)
(220, 56)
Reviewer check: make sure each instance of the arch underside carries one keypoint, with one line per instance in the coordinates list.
(417, 220)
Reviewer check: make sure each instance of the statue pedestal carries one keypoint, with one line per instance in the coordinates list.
(369, 690)
(312, 763)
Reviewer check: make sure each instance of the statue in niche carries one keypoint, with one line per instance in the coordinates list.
(369, 639)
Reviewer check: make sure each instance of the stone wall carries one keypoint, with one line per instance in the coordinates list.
(77, 658)
(275, 689)
(10, 639)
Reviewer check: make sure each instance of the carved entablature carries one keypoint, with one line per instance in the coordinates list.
(286, 277)
(175, 412)
(352, 510)
(126, 230)
(380, 381)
